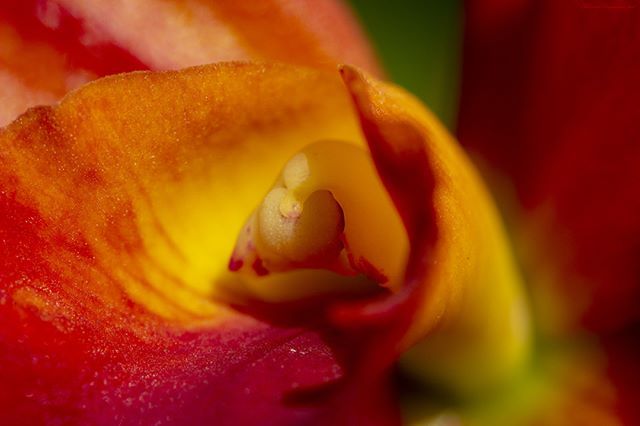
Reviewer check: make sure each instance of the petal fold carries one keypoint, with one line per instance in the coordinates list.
(463, 299)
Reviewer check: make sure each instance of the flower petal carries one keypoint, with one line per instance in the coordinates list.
(549, 99)
(118, 211)
(213, 138)
(463, 298)
(73, 41)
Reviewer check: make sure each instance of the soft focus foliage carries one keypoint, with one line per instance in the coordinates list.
(419, 43)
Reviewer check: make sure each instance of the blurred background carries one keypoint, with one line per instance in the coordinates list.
(419, 43)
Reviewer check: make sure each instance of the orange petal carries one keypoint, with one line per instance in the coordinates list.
(118, 211)
(212, 137)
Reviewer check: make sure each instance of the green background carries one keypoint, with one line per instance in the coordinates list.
(418, 42)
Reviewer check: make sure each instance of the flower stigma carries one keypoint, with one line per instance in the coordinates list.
(327, 211)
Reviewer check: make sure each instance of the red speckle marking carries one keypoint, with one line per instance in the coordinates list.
(259, 268)
(235, 264)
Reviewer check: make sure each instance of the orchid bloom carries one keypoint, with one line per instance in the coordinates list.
(291, 240)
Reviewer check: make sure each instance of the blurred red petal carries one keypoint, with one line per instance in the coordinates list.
(550, 99)
(623, 351)
(49, 47)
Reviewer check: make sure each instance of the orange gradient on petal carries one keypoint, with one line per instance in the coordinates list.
(167, 167)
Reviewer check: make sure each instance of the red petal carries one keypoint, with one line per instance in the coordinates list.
(622, 352)
(50, 47)
(550, 98)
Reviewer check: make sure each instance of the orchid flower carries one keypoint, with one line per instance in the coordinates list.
(255, 228)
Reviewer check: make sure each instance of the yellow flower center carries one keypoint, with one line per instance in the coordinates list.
(327, 210)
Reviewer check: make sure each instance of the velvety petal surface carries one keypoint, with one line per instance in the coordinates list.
(549, 102)
(50, 47)
(119, 209)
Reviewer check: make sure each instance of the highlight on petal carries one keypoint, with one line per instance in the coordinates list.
(119, 209)
(51, 47)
